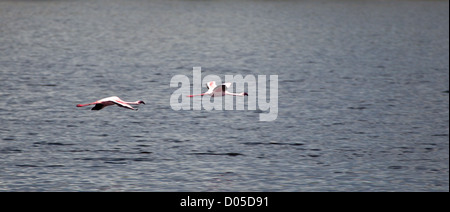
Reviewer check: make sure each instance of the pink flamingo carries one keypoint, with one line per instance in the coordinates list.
(221, 90)
(113, 100)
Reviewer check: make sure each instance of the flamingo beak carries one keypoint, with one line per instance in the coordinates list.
(143, 102)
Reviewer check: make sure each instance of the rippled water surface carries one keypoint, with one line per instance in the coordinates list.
(363, 98)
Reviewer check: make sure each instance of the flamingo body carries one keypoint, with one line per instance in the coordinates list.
(221, 90)
(113, 100)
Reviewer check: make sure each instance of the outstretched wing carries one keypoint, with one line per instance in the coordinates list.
(222, 88)
(98, 107)
(211, 86)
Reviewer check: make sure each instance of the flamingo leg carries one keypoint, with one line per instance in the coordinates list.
(197, 95)
(83, 105)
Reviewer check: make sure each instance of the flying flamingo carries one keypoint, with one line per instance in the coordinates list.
(113, 100)
(221, 90)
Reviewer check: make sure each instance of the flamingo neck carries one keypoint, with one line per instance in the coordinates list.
(134, 103)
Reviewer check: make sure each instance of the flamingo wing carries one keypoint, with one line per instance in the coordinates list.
(222, 88)
(211, 86)
(219, 90)
(98, 107)
(108, 99)
(211, 89)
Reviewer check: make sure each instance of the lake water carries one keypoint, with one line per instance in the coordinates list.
(363, 95)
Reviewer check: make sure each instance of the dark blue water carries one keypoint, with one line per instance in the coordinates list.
(363, 99)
